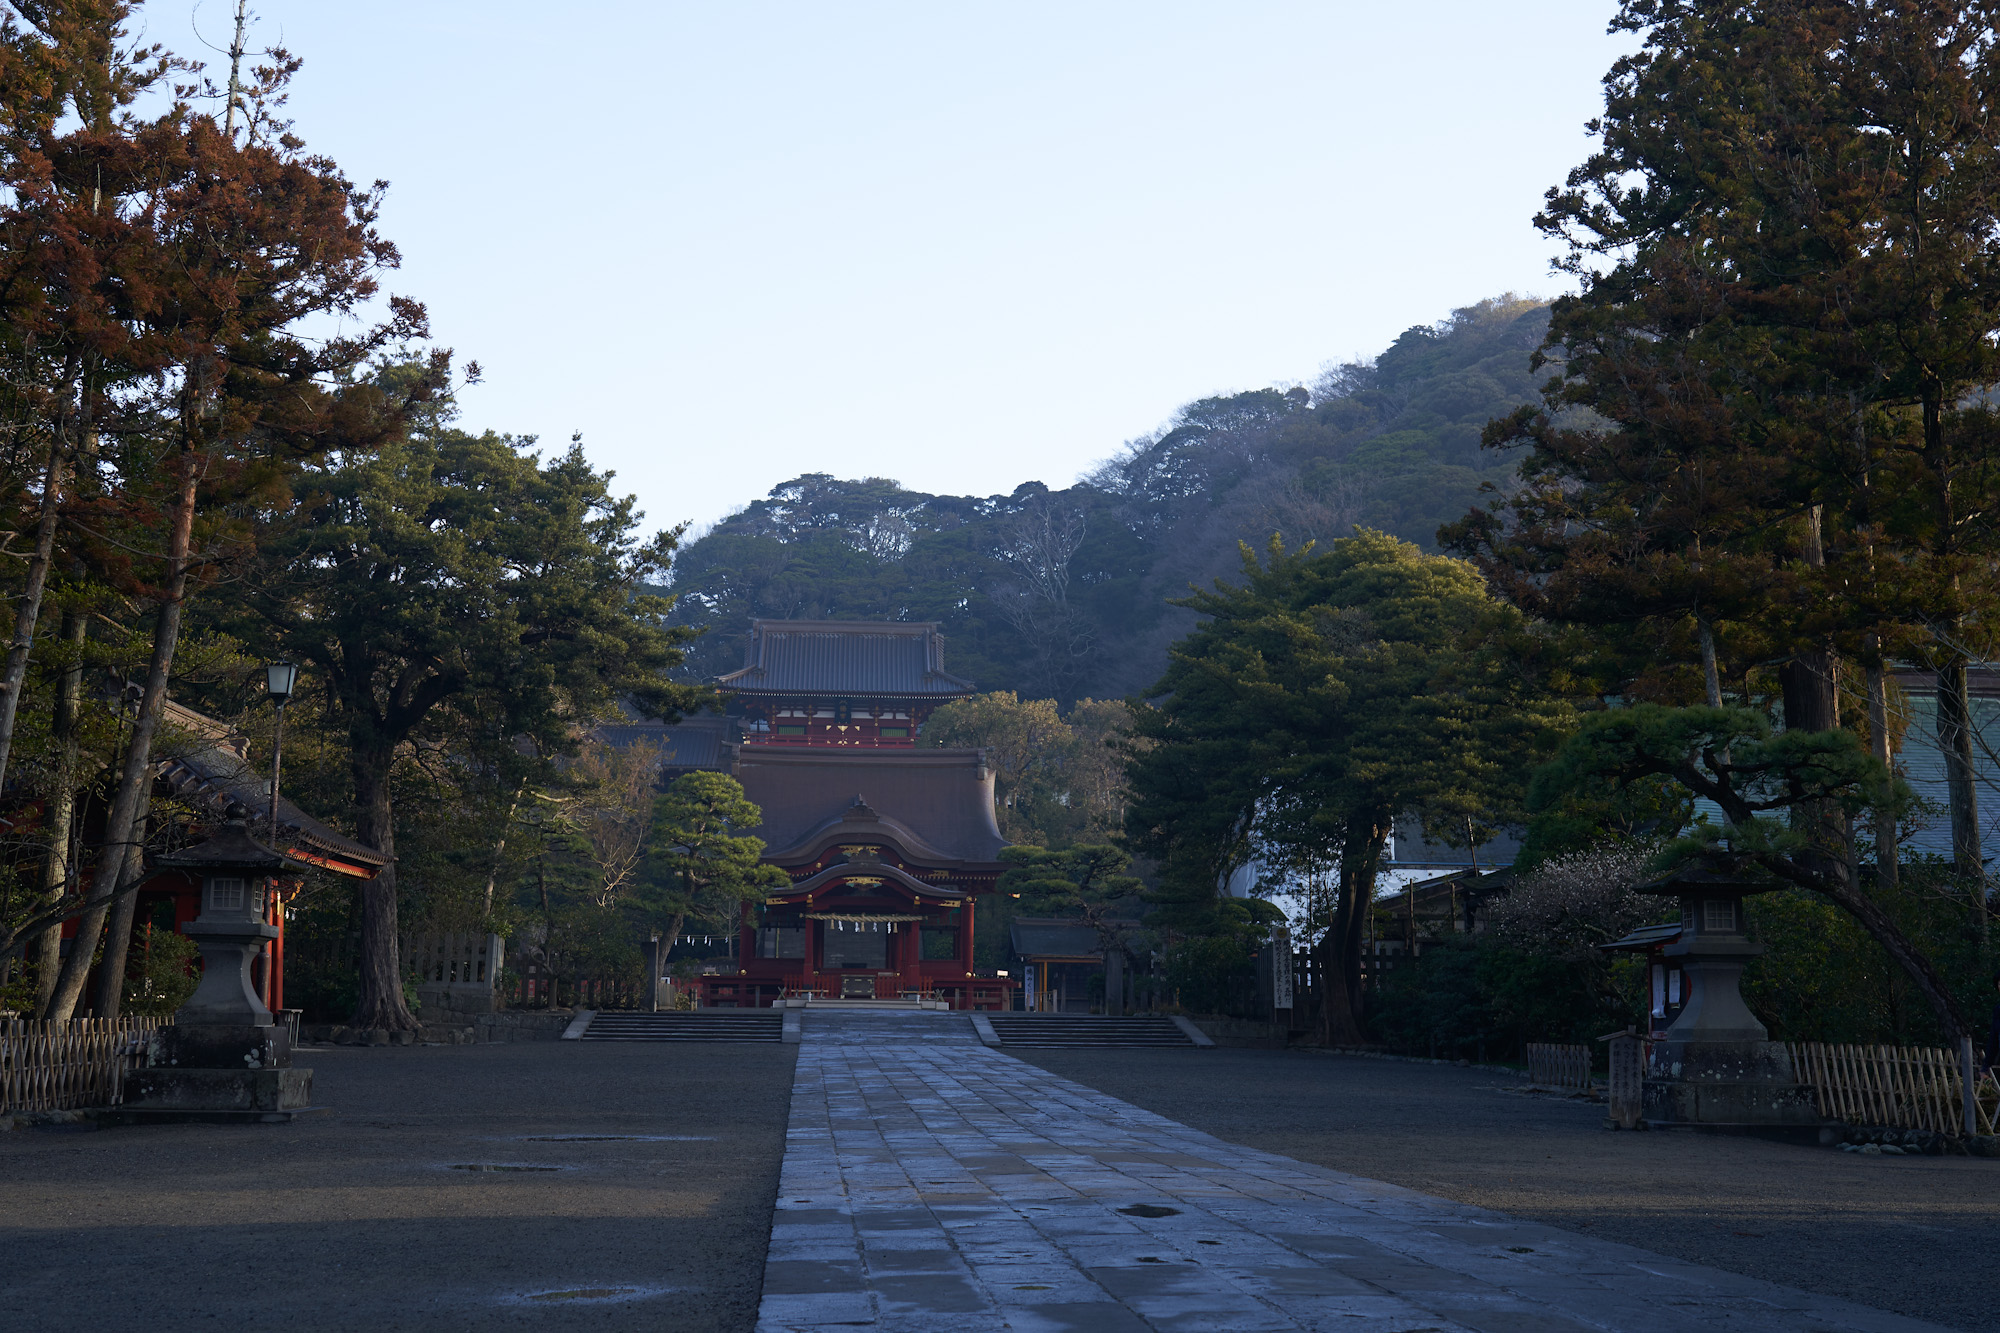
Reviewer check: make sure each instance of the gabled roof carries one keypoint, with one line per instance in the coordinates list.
(887, 874)
(1645, 937)
(935, 806)
(232, 847)
(896, 659)
(206, 763)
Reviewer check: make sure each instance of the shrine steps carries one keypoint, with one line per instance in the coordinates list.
(1056, 1031)
(671, 1025)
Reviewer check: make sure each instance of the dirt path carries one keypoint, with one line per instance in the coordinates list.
(1919, 1236)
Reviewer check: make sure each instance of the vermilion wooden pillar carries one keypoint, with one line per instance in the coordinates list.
(965, 946)
(274, 998)
(810, 963)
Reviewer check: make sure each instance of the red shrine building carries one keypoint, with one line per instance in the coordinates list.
(888, 847)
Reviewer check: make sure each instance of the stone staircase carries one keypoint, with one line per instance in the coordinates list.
(668, 1025)
(1056, 1031)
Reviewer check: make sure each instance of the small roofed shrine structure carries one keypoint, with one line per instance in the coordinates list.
(888, 848)
(201, 772)
(862, 683)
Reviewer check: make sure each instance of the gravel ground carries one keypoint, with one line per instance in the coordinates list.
(1916, 1235)
(358, 1219)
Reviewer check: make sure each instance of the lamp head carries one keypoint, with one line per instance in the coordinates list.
(279, 678)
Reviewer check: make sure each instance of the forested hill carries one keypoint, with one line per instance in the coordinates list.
(1064, 593)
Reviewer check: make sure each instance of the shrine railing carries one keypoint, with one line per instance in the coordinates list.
(67, 1066)
(1897, 1087)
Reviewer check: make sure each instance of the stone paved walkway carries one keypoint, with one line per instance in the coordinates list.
(932, 1185)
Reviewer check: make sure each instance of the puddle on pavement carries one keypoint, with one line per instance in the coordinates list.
(583, 1295)
(1149, 1210)
(617, 1138)
(500, 1166)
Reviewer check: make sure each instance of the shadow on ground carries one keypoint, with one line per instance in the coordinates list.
(555, 1185)
(1916, 1235)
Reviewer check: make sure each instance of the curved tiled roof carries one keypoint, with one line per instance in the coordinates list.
(897, 659)
(206, 763)
(937, 805)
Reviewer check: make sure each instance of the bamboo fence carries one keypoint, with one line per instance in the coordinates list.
(65, 1066)
(1899, 1087)
(1565, 1068)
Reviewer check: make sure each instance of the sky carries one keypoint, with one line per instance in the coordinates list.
(962, 245)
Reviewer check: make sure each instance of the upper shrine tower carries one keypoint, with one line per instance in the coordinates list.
(867, 683)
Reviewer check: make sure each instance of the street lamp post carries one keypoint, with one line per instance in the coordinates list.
(279, 678)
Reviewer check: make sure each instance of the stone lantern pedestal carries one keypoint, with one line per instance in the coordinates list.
(223, 1058)
(1716, 1067)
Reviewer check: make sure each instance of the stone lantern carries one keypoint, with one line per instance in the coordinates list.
(1716, 1067)
(223, 1058)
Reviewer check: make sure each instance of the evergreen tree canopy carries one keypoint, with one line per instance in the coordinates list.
(452, 592)
(698, 867)
(1324, 697)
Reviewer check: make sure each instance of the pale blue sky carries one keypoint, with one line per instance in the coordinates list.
(962, 245)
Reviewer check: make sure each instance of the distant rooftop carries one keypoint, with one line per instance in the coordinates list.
(879, 658)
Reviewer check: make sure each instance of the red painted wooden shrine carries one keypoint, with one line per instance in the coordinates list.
(888, 847)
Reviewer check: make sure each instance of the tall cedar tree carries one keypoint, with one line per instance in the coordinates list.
(1324, 698)
(450, 592)
(1788, 248)
(195, 261)
(57, 316)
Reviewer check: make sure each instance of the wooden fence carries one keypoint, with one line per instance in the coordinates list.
(531, 985)
(1898, 1087)
(1564, 1068)
(64, 1066)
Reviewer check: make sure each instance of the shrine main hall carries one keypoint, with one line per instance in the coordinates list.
(888, 847)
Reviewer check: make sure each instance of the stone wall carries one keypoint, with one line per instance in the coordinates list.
(458, 1030)
(1244, 1032)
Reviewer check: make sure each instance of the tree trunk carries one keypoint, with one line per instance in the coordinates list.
(112, 889)
(1711, 678)
(1811, 703)
(1888, 854)
(1340, 1007)
(61, 810)
(500, 846)
(14, 678)
(1954, 736)
(381, 998)
(672, 935)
